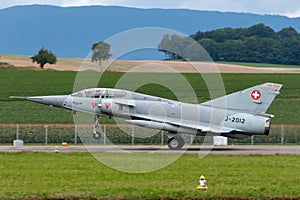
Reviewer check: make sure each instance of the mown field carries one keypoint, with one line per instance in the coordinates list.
(286, 107)
(81, 176)
(78, 61)
(265, 65)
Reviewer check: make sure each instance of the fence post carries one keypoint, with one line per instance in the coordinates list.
(162, 137)
(17, 133)
(132, 135)
(46, 134)
(104, 135)
(252, 141)
(75, 134)
(282, 134)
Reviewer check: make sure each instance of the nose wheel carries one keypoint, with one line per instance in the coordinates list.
(96, 133)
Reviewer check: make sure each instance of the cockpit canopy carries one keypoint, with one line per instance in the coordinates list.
(99, 93)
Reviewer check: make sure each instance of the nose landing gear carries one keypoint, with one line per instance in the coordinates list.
(96, 133)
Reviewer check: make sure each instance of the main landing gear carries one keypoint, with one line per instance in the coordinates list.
(96, 134)
(175, 141)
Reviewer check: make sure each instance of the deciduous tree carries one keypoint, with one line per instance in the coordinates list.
(43, 57)
(100, 52)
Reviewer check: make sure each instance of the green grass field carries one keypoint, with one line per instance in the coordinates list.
(286, 107)
(81, 176)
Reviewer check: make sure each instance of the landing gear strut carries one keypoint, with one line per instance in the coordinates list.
(176, 142)
(96, 134)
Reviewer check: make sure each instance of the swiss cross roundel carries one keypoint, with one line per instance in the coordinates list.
(255, 94)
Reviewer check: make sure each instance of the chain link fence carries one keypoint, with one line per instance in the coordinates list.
(128, 134)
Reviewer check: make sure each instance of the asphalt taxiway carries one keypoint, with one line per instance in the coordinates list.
(194, 149)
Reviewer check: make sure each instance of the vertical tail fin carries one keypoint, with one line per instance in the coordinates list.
(255, 99)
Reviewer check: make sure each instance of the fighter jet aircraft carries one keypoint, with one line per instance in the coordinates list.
(236, 115)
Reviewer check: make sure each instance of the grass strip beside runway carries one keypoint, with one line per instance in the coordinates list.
(81, 176)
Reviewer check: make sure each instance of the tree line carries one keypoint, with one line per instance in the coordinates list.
(258, 43)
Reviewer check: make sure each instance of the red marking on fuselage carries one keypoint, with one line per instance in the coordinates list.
(107, 105)
(94, 105)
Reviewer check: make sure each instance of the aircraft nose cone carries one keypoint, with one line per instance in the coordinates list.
(56, 101)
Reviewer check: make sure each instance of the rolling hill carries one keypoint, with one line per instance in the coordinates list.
(70, 32)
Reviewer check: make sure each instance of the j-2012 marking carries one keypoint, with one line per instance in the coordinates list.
(235, 119)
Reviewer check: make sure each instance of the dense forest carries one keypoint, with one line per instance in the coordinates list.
(258, 44)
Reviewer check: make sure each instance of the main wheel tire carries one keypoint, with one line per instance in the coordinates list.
(96, 135)
(176, 143)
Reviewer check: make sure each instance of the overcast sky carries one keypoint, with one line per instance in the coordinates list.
(290, 8)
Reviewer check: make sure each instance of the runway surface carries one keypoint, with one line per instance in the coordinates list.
(194, 149)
